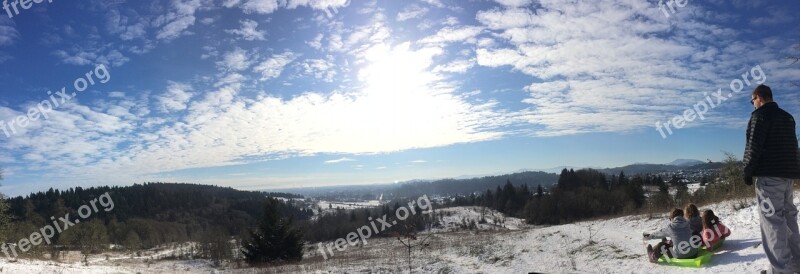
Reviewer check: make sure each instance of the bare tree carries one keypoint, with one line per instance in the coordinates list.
(407, 237)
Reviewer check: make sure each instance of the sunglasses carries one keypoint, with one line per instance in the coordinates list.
(751, 101)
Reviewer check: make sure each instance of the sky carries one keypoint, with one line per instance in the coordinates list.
(267, 94)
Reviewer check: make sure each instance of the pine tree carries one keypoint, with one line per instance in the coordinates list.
(274, 241)
(539, 191)
(5, 220)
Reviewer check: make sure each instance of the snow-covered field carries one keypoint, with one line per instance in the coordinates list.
(616, 247)
(453, 219)
(146, 261)
(324, 205)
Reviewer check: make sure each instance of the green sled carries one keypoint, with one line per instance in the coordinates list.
(703, 256)
(716, 246)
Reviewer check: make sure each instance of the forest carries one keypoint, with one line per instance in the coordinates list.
(144, 215)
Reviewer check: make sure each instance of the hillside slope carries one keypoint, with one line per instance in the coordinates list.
(510, 248)
(618, 248)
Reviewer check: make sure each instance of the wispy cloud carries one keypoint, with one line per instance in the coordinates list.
(249, 31)
(273, 66)
(179, 18)
(411, 12)
(340, 160)
(335, 85)
(617, 74)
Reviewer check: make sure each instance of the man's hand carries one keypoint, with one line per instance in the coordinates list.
(748, 180)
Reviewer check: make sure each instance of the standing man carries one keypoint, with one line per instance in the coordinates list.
(771, 161)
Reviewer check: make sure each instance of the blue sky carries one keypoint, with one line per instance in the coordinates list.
(259, 94)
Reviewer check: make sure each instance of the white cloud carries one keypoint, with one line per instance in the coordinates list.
(175, 98)
(514, 3)
(116, 94)
(435, 3)
(273, 66)
(411, 12)
(127, 28)
(270, 6)
(458, 66)
(453, 34)
(320, 68)
(236, 60)
(317, 42)
(8, 34)
(618, 66)
(208, 20)
(340, 160)
(230, 3)
(318, 4)
(180, 18)
(398, 105)
(506, 19)
(249, 31)
(81, 57)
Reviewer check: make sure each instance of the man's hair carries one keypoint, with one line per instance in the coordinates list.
(675, 213)
(764, 92)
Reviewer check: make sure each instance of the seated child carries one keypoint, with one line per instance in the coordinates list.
(713, 230)
(693, 216)
(680, 234)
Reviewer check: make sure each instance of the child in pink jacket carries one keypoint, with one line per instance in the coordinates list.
(713, 230)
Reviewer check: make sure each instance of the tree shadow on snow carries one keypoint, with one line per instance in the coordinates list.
(729, 253)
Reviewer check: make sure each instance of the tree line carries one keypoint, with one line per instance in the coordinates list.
(144, 216)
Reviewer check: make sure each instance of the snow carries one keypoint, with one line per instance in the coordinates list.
(616, 246)
(454, 217)
(330, 206)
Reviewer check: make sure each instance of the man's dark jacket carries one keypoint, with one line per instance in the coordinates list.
(771, 149)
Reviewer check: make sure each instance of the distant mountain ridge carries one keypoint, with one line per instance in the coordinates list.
(685, 162)
(655, 168)
(467, 184)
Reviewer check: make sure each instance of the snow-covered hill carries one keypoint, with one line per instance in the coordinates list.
(615, 246)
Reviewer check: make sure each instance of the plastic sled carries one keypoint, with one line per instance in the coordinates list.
(703, 256)
(715, 247)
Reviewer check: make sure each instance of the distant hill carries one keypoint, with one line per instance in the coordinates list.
(461, 185)
(442, 187)
(467, 186)
(655, 168)
(685, 162)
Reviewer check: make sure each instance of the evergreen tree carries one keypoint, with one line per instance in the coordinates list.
(4, 217)
(274, 241)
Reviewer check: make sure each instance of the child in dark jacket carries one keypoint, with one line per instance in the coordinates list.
(692, 214)
(713, 230)
(679, 232)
